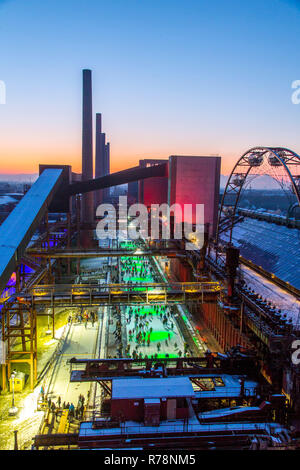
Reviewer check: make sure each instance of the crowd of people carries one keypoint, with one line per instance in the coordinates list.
(116, 314)
(56, 407)
(141, 329)
(84, 316)
(141, 321)
(131, 269)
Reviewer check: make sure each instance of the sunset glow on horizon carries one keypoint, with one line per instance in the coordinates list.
(226, 96)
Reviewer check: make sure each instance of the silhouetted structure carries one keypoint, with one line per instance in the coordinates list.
(87, 144)
(107, 167)
(100, 155)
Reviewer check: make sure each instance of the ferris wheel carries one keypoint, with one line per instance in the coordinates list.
(281, 164)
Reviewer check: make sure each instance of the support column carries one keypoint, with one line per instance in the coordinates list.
(35, 347)
(53, 321)
(4, 384)
(69, 241)
(20, 312)
(48, 247)
(32, 342)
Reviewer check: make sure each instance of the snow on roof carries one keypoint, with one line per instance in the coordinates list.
(221, 412)
(6, 200)
(262, 243)
(152, 388)
(87, 429)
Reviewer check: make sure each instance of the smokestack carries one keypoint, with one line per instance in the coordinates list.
(107, 159)
(100, 157)
(87, 144)
(107, 167)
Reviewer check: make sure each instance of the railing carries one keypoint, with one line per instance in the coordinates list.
(81, 289)
(225, 392)
(179, 427)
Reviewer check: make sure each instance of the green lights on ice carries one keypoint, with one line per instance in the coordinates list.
(161, 335)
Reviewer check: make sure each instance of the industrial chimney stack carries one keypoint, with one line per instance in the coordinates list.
(107, 168)
(87, 145)
(99, 161)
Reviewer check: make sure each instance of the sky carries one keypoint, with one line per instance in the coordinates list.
(170, 77)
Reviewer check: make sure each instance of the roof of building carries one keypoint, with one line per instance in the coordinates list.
(222, 412)
(274, 247)
(87, 429)
(7, 200)
(152, 388)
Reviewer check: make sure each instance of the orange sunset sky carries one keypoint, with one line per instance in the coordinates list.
(169, 77)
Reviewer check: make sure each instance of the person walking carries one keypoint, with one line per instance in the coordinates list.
(81, 410)
(71, 412)
(86, 317)
(53, 407)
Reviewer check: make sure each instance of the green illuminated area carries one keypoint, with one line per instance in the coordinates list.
(163, 356)
(151, 330)
(136, 259)
(137, 263)
(146, 279)
(147, 309)
(128, 245)
(161, 335)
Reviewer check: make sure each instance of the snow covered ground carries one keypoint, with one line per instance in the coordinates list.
(288, 304)
(80, 343)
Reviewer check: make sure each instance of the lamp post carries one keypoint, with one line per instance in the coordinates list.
(13, 409)
(16, 447)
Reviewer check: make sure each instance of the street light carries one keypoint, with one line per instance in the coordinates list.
(13, 409)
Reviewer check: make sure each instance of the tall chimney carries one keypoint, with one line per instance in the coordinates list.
(87, 144)
(107, 167)
(100, 157)
(107, 159)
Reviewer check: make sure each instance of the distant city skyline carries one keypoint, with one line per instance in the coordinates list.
(169, 77)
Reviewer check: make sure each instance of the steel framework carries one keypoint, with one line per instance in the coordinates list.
(19, 334)
(126, 294)
(282, 164)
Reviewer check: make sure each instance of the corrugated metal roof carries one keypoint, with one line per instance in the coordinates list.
(274, 247)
